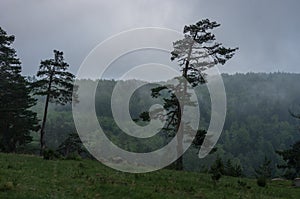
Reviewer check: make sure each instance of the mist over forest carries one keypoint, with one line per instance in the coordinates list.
(258, 120)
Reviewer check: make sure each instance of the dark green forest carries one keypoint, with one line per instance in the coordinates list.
(258, 120)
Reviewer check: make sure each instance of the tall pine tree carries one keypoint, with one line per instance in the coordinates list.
(16, 118)
(56, 83)
(195, 53)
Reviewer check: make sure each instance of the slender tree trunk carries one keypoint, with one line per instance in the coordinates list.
(42, 132)
(180, 126)
(179, 162)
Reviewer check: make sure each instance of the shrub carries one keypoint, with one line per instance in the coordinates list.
(290, 174)
(7, 186)
(72, 144)
(73, 156)
(261, 181)
(50, 154)
(217, 170)
(242, 183)
(234, 170)
(264, 172)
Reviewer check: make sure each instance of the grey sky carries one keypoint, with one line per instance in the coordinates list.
(267, 32)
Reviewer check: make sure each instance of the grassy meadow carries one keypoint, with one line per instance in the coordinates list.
(31, 177)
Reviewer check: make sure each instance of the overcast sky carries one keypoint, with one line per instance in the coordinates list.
(266, 31)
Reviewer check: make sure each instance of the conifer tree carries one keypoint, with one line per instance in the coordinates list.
(195, 53)
(56, 84)
(16, 118)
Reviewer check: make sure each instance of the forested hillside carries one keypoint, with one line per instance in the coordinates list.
(258, 120)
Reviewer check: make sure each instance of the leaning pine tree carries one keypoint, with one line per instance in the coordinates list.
(195, 53)
(56, 84)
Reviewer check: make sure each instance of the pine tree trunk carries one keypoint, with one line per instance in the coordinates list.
(42, 132)
(42, 139)
(179, 161)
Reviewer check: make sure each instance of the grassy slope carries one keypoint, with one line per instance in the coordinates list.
(31, 177)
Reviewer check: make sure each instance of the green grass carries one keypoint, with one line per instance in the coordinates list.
(30, 177)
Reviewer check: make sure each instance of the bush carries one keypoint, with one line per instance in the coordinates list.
(264, 172)
(234, 170)
(242, 183)
(217, 170)
(50, 154)
(261, 181)
(72, 144)
(290, 174)
(265, 169)
(7, 186)
(73, 156)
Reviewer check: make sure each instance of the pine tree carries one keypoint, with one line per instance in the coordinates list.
(265, 169)
(72, 144)
(292, 158)
(56, 84)
(217, 169)
(195, 53)
(16, 118)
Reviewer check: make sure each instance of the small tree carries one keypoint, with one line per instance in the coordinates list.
(72, 144)
(231, 169)
(217, 170)
(16, 118)
(56, 84)
(264, 172)
(292, 158)
(265, 169)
